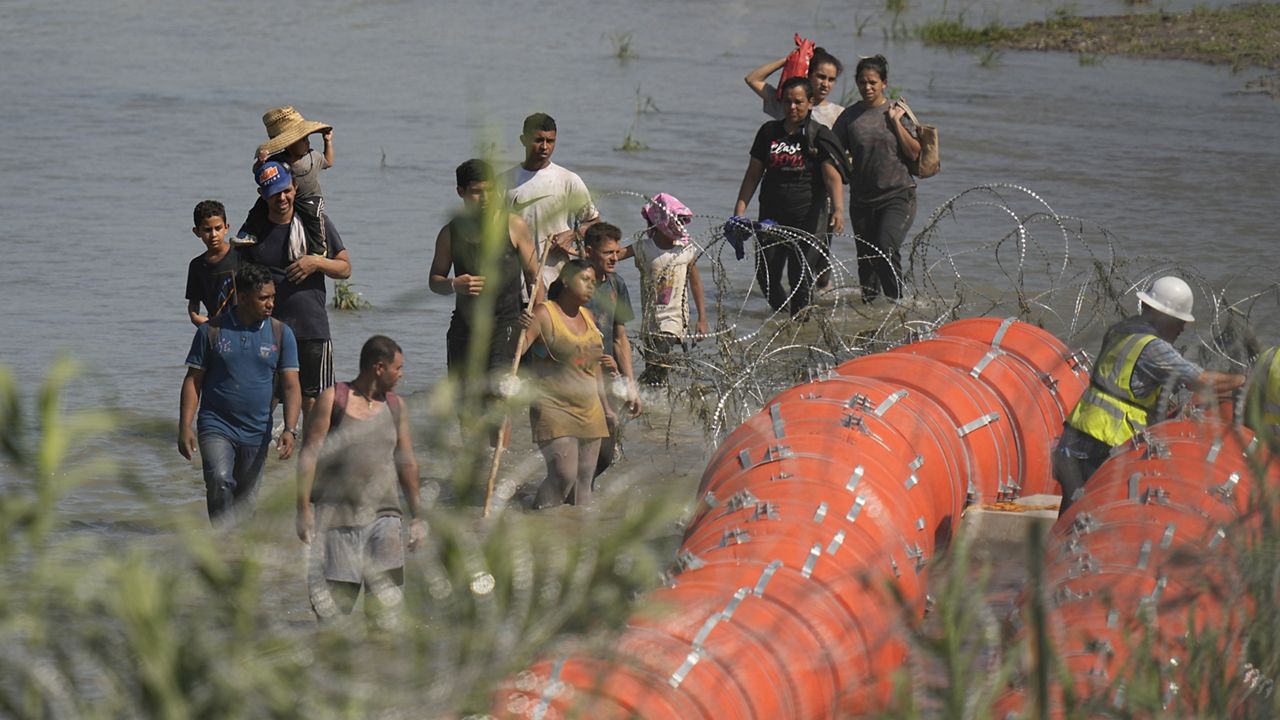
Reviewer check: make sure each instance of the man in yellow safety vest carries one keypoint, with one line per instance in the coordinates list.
(1136, 364)
(1262, 396)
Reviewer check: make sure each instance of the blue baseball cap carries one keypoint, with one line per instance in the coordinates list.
(272, 178)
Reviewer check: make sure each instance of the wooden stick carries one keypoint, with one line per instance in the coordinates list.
(505, 430)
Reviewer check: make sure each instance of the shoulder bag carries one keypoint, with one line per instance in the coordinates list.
(928, 164)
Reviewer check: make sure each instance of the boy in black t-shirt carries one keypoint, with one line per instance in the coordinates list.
(210, 274)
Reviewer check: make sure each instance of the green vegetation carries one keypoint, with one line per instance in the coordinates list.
(958, 33)
(621, 45)
(1241, 35)
(189, 622)
(345, 297)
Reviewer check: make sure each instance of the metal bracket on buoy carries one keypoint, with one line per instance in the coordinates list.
(680, 674)
(549, 691)
(1166, 540)
(852, 421)
(1155, 496)
(889, 402)
(1227, 490)
(821, 513)
(855, 478)
(978, 423)
(1144, 554)
(740, 499)
(1000, 331)
(765, 577)
(1156, 450)
(815, 552)
(771, 454)
(1214, 449)
(986, 360)
(766, 511)
(859, 400)
(686, 560)
(779, 427)
(911, 482)
(1083, 524)
(916, 553)
(1217, 538)
(858, 504)
(836, 541)
(710, 499)
(1133, 485)
(734, 536)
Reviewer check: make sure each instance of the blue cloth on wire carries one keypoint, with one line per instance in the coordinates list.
(739, 230)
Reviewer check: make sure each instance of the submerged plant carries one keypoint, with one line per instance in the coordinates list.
(345, 297)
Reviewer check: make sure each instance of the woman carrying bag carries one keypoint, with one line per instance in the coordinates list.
(882, 192)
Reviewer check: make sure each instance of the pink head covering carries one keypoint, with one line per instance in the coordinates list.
(667, 215)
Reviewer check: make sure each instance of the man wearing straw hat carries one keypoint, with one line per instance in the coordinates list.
(289, 145)
(277, 243)
(1137, 364)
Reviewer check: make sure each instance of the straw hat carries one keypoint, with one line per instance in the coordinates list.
(286, 127)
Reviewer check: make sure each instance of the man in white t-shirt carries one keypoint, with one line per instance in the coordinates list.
(552, 200)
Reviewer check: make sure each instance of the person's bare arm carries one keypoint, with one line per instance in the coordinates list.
(407, 473)
(835, 190)
(523, 242)
(317, 431)
(190, 400)
(622, 353)
(1218, 383)
(328, 148)
(756, 78)
(292, 408)
(193, 313)
(337, 267)
(750, 181)
(699, 298)
(541, 318)
(906, 141)
(439, 280)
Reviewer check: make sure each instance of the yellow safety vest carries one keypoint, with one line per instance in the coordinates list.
(1262, 399)
(1108, 410)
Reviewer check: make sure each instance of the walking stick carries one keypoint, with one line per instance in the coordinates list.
(505, 430)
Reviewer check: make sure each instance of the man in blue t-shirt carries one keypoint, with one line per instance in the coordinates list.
(230, 371)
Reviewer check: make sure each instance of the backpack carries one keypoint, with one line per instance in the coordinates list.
(339, 411)
(215, 332)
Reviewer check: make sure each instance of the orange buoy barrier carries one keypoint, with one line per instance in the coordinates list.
(815, 524)
(1142, 561)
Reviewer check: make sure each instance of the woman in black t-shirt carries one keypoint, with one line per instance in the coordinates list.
(797, 164)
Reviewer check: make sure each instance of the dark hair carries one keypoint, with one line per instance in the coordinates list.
(875, 62)
(600, 232)
(536, 122)
(473, 170)
(376, 349)
(822, 57)
(568, 271)
(207, 209)
(250, 277)
(796, 82)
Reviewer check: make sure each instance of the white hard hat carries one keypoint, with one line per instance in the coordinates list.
(1169, 295)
